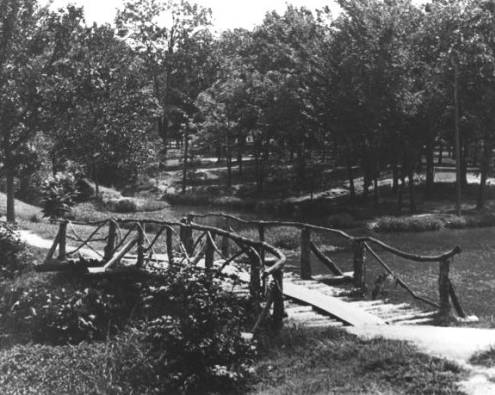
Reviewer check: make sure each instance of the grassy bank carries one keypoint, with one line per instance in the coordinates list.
(332, 361)
(431, 222)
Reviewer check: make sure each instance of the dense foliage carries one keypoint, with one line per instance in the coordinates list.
(187, 328)
(59, 193)
(12, 252)
(369, 92)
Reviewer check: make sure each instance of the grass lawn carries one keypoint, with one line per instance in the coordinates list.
(332, 361)
(23, 210)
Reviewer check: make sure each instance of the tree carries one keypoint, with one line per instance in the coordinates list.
(24, 58)
(176, 57)
(108, 107)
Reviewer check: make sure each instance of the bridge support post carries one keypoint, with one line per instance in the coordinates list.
(62, 241)
(112, 234)
(444, 288)
(278, 299)
(209, 255)
(140, 246)
(359, 261)
(306, 253)
(254, 278)
(170, 246)
(261, 233)
(186, 236)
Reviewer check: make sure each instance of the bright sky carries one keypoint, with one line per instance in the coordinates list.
(227, 14)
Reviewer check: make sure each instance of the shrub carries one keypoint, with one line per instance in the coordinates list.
(123, 205)
(69, 315)
(470, 221)
(188, 336)
(484, 358)
(197, 344)
(58, 194)
(12, 252)
(407, 224)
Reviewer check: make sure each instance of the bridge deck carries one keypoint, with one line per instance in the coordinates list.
(344, 311)
(314, 303)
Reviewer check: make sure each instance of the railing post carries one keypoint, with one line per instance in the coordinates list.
(140, 246)
(359, 261)
(186, 236)
(444, 288)
(62, 241)
(306, 253)
(170, 246)
(254, 279)
(112, 234)
(209, 254)
(278, 299)
(261, 233)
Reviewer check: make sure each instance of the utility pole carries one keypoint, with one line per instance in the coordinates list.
(455, 63)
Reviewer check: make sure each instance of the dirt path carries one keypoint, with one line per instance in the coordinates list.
(34, 240)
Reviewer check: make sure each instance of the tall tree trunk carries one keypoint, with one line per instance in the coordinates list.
(395, 178)
(366, 182)
(412, 198)
(184, 168)
(228, 158)
(10, 174)
(240, 151)
(484, 168)
(400, 195)
(350, 175)
(430, 168)
(301, 166)
(376, 192)
(464, 166)
(163, 133)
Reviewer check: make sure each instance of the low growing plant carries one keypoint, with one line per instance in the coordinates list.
(197, 344)
(12, 252)
(59, 193)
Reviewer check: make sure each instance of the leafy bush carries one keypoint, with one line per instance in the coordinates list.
(123, 205)
(189, 327)
(69, 315)
(484, 358)
(470, 221)
(198, 342)
(11, 252)
(408, 224)
(58, 194)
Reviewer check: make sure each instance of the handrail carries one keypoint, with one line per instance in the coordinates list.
(221, 232)
(294, 224)
(413, 257)
(299, 225)
(403, 254)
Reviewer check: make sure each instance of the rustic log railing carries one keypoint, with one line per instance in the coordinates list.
(190, 251)
(359, 245)
(187, 242)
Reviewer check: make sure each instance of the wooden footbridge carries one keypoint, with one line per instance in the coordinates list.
(128, 245)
